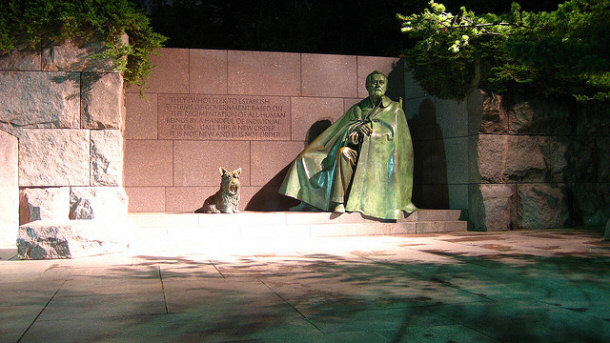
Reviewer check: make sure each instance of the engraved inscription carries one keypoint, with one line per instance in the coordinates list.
(223, 117)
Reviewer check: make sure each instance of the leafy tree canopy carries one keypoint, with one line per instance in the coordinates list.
(34, 22)
(551, 54)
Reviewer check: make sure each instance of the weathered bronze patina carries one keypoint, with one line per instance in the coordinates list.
(363, 162)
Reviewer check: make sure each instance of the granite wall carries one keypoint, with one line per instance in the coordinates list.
(206, 109)
(67, 112)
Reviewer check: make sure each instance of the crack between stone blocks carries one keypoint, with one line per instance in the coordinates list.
(56, 122)
(40, 313)
(291, 306)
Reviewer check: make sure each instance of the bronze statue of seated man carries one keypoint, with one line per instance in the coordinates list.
(362, 163)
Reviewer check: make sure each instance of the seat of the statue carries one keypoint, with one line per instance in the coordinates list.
(253, 224)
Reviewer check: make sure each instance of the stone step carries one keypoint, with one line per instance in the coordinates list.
(251, 225)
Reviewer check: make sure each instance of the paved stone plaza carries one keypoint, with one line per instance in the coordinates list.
(516, 286)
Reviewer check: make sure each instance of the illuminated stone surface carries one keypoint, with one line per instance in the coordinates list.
(103, 203)
(52, 203)
(102, 101)
(106, 158)
(69, 239)
(54, 158)
(9, 188)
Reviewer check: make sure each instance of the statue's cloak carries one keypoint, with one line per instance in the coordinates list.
(382, 183)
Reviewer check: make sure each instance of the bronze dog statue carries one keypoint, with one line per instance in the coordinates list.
(226, 200)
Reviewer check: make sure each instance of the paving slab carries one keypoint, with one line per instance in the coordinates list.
(516, 286)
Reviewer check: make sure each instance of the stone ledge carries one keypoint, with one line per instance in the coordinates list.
(297, 225)
(46, 239)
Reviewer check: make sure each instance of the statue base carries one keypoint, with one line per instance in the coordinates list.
(193, 228)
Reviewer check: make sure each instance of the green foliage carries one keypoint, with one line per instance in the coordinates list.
(550, 54)
(32, 22)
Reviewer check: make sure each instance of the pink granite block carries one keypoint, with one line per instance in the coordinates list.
(189, 199)
(348, 103)
(148, 163)
(170, 73)
(146, 199)
(270, 158)
(208, 71)
(307, 111)
(269, 73)
(141, 122)
(196, 163)
(186, 199)
(390, 66)
(329, 75)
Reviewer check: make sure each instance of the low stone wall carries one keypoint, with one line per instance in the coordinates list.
(536, 164)
(67, 112)
(207, 109)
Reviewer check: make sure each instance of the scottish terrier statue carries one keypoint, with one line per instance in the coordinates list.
(226, 200)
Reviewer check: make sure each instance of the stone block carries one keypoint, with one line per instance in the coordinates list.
(170, 72)
(70, 239)
(9, 188)
(51, 203)
(308, 111)
(54, 158)
(412, 88)
(590, 203)
(494, 117)
(491, 206)
(538, 117)
(434, 196)
(425, 123)
(100, 203)
(76, 56)
(141, 121)
(271, 73)
(148, 163)
(430, 162)
(146, 199)
(541, 206)
(603, 169)
(21, 59)
(329, 75)
(102, 101)
(39, 100)
(270, 159)
(189, 199)
(505, 158)
(582, 158)
(208, 71)
(196, 163)
(392, 67)
(558, 158)
(456, 152)
(106, 158)
(607, 232)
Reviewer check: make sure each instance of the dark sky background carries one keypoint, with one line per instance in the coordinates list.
(359, 27)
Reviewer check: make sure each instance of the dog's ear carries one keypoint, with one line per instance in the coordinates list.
(237, 172)
(222, 171)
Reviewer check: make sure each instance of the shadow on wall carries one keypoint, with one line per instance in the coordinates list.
(268, 198)
(430, 189)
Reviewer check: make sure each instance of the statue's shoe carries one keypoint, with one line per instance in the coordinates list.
(339, 209)
(302, 207)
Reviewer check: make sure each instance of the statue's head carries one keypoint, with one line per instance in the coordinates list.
(376, 84)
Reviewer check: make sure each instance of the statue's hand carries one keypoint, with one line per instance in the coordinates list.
(354, 137)
(365, 129)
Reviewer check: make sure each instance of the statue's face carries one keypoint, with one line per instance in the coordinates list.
(377, 86)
